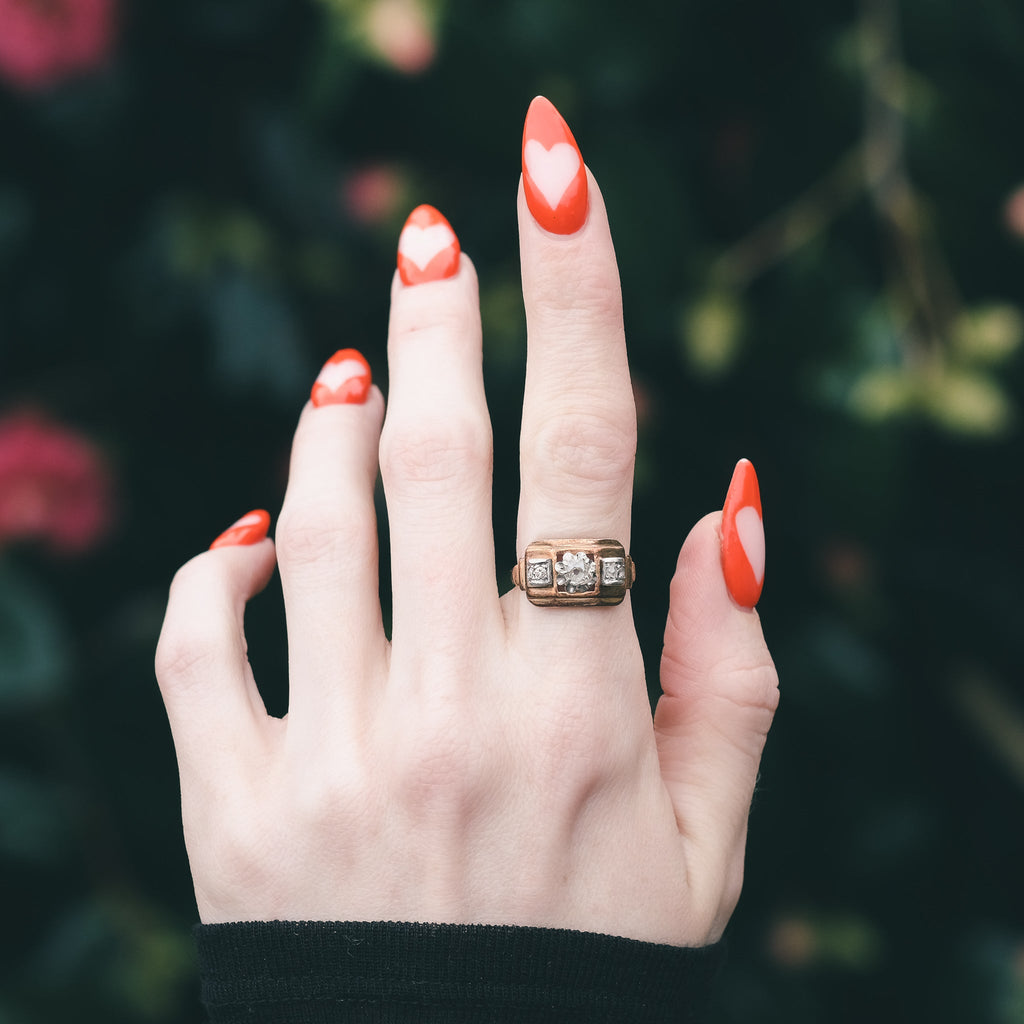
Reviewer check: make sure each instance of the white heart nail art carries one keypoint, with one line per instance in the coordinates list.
(551, 170)
(421, 245)
(751, 534)
(333, 375)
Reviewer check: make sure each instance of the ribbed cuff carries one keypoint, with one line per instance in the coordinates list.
(317, 972)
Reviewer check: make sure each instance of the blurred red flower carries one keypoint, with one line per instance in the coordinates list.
(45, 41)
(55, 485)
(400, 32)
(373, 193)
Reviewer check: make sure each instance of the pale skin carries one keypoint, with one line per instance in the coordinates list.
(495, 762)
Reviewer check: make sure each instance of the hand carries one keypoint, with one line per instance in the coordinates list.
(497, 761)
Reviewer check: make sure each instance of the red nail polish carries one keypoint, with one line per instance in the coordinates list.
(250, 529)
(743, 537)
(344, 380)
(428, 249)
(554, 178)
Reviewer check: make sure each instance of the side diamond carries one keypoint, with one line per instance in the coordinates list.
(538, 572)
(613, 572)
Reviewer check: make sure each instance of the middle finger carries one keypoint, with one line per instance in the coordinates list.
(435, 454)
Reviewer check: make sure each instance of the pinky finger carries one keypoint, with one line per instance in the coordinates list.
(209, 693)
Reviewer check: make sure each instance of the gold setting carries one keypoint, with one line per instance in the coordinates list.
(574, 572)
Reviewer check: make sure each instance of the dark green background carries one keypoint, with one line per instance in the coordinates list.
(807, 199)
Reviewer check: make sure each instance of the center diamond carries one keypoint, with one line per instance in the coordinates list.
(575, 573)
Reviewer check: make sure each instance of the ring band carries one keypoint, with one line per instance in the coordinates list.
(574, 572)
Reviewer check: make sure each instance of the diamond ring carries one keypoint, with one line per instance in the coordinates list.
(577, 571)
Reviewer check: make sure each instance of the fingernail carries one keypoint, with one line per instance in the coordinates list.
(427, 247)
(344, 380)
(554, 178)
(743, 537)
(250, 529)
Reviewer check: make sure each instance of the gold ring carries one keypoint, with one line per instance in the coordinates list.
(574, 572)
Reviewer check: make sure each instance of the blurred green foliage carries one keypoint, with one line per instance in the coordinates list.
(817, 214)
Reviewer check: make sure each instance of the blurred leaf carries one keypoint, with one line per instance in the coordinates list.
(896, 831)
(997, 719)
(504, 322)
(968, 403)
(711, 330)
(318, 266)
(838, 663)
(34, 660)
(157, 961)
(74, 946)
(256, 342)
(961, 401)
(33, 819)
(988, 335)
(849, 941)
(998, 959)
(840, 940)
(15, 218)
(293, 170)
(122, 947)
(203, 240)
(883, 394)
(880, 340)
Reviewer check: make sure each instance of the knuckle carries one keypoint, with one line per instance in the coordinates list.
(217, 829)
(239, 855)
(329, 801)
(186, 658)
(751, 686)
(421, 320)
(577, 298)
(311, 533)
(192, 578)
(581, 749)
(193, 646)
(745, 682)
(440, 771)
(439, 451)
(595, 448)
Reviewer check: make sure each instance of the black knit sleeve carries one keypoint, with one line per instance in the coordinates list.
(389, 973)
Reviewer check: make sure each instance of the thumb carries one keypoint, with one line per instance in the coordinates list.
(719, 685)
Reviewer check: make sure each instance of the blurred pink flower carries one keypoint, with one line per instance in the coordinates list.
(400, 32)
(54, 485)
(792, 942)
(1013, 211)
(373, 193)
(45, 41)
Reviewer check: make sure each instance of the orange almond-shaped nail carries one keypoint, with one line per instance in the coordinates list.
(428, 249)
(250, 529)
(554, 178)
(344, 380)
(743, 537)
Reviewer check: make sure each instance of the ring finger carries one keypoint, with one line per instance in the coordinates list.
(579, 423)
